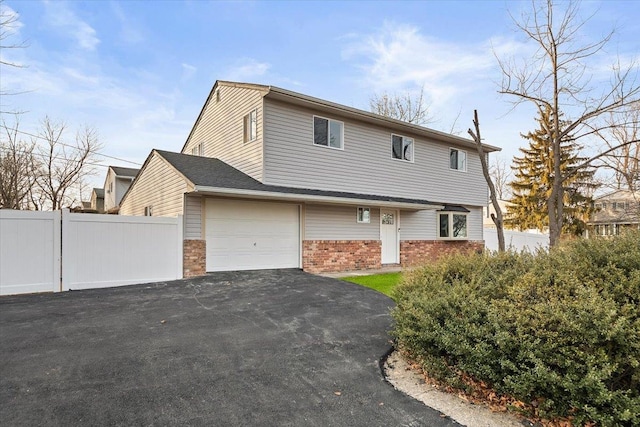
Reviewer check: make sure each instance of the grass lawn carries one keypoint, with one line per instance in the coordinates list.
(380, 282)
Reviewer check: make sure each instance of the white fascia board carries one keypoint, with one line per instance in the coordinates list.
(269, 195)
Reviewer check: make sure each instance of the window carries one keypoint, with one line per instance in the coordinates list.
(197, 150)
(148, 211)
(386, 219)
(458, 159)
(251, 126)
(364, 215)
(452, 225)
(328, 132)
(402, 148)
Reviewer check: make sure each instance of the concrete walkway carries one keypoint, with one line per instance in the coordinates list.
(267, 348)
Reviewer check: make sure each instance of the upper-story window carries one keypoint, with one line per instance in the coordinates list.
(402, 148)
(197, 150)
(251, 126)
(457, 159)
(329, 133)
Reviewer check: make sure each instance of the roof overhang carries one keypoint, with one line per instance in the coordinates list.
(311, 198)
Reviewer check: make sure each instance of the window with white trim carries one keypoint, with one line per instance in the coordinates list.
(250, 125)
(402, 148)
(364, 215)
(457, 159)
(452, 225)
(148, 211)
(328, 133)
(197, 150)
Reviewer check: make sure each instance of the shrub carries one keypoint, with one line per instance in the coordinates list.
(561, 329)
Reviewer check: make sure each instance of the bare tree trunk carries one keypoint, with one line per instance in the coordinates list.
(497, 218)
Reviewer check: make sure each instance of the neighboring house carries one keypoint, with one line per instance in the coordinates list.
(614, 212)
(270, 178)
(116, 185)
(489, 210)
(97, 200)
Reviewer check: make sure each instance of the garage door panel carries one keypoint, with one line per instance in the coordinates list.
(244, 235)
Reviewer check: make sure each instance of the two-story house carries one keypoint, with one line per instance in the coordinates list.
(614, 212)
(270, 178)
(116, 184)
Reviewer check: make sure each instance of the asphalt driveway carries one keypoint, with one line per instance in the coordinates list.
(265, 348)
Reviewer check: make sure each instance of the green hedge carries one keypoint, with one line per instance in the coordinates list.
(560, 330)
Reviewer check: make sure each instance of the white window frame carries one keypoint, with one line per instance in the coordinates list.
(464, 169)
(250, 126)
(360, 215)
(329, 121)
(413, 145)
(450, 215)
(148, 210)
(197, 150)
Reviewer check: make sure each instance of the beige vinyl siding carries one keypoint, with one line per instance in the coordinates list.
(327, 222)
(365, 165)
(109, 196)
(418, 225)
(220, 129)
(158, 185)
(193, 217)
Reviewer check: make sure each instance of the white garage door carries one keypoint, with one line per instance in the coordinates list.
(245, 235)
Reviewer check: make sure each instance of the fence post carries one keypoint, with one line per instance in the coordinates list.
(66, 258)
(180, 233)
(57, 250)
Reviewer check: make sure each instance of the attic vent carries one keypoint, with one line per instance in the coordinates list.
(217, 95)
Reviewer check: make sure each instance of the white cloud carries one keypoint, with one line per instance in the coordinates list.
(188, 71)
(61, 17)
(400, 57)
(246, 70)
(129, 32)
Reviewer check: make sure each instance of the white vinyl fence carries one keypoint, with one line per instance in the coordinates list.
(60, 251)
(515, 240)
(29, 252)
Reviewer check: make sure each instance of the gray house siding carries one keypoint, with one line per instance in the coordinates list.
(325, 222)
(193, 217)
(418, 225)
(365, 165)
(220, 129)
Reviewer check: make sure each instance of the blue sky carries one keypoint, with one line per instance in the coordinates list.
(139, 72)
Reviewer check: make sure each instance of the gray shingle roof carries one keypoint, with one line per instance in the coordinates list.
(99, 192)
(122, 171)
(210, 172)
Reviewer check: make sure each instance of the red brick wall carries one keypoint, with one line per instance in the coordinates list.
(326, 256)
(413, 252)
(194, 258)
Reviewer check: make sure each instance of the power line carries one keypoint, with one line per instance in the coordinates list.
(71, 146)
(45, 157)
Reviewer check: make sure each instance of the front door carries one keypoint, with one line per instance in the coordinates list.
(389, 236)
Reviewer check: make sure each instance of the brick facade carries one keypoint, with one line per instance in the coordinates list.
(326, 256)
(414, 252)
(194, 258)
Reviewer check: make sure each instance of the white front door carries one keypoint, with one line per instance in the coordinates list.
(389, 236)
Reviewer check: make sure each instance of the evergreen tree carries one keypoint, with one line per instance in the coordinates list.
(533, 182)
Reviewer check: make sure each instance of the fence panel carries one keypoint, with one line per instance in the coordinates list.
(29, 252)
(516, 240)
(111, 250)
